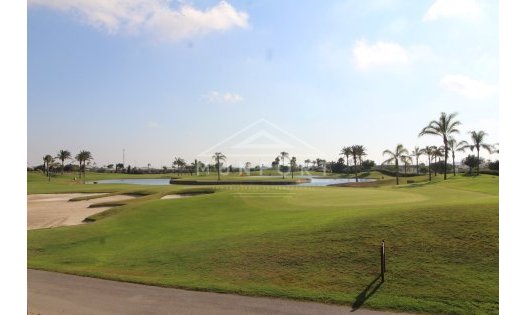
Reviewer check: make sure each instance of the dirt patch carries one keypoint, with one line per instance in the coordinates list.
(52, 210)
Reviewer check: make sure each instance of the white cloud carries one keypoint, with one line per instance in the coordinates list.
(381, 53)
(468, 87)
(218, 97)
(151, 16)
(464, 9)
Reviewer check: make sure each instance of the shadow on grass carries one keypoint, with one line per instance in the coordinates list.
(367, 293)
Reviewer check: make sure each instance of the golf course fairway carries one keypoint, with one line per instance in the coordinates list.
(309, 243)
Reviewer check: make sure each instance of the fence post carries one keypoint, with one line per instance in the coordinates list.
(382, 260)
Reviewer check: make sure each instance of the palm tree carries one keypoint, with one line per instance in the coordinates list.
(477, 138)
(195, 166)
(347, 151)
(416, 153)
(82, 158)
(48, 159)
(307, 162)
(361, 153)
(429, 151)
(456, 147)
(218, 157)
(283, 155)
(180, 163)
(398, 154)
(292, 165)
(444, 127)
(62, 156)
(356, 151)
(176, 163)
(437, 154)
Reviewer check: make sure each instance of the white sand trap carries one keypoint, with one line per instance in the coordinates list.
(52, 210)
(174, 196)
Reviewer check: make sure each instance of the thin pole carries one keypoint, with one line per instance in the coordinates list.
(382, 260)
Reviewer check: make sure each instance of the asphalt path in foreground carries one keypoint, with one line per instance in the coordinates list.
(56, 293)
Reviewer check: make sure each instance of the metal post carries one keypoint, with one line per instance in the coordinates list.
(382, 260)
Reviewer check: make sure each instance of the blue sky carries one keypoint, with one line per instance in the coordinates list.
(164, 79)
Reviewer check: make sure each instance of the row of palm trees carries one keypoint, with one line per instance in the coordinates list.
(82, 157)
(445, 127)
(357, 152)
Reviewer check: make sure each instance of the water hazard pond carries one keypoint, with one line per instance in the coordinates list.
(315, 181)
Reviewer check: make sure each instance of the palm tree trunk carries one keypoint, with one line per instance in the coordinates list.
(453, 157)
(435, 166)
(396, 171)
(218, 177)
(348, 169)
(62, 169)
(417, 165)
(445, 158)
(355, 171)
(478, 161)
(429, 167)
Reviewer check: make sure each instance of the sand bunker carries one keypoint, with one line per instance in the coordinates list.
(52, 210)
(174, 196)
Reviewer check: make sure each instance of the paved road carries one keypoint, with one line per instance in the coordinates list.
(56, 293)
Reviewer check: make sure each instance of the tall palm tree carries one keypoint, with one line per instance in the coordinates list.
(218, 157)
(429, 151)
(62, 156)
(356, 151)
(175, 164)
(417, 152)
(477, 139)
(445, 126)
(437, 154)
(456, 147)
(283, 155)
(83, 157)
(293, 164)
(180, 163)
(48, 159)
(395, 156)
(347, 151)
(361, 153)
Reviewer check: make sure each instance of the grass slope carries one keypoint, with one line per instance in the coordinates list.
(314, 243)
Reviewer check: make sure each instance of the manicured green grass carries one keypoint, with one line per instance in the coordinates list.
(314, 243)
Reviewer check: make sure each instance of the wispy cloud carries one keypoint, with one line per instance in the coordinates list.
(155, 17)
(468, 87)
(464, 9)
(381, 53)
(218, 97)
